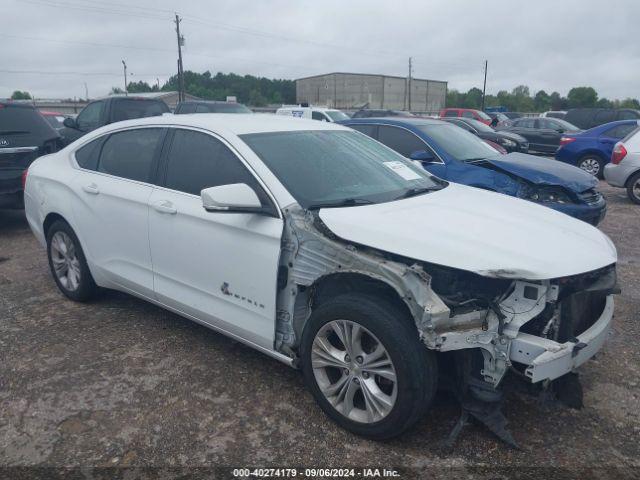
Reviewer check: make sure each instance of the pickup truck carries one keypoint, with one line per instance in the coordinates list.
(109, 110)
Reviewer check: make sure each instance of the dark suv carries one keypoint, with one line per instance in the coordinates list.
(206, 106)
(24, 136)
(109, 110)
(586, 118)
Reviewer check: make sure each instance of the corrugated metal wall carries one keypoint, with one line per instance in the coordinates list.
(348, 91)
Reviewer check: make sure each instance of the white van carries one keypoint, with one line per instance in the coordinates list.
(314, 113)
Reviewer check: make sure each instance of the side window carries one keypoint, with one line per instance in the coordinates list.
(547, 124)
(467, 114)
(202, 109)
(627, 115)
(400, 140)
(318, 116)
(87, 156)
(197, 161)
(451, 113)
(526, 123)
(129, 154)
(620, 131)
(367, 129)
(89, 118)
(465, 126)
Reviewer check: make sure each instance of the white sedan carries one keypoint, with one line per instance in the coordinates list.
(321, 247)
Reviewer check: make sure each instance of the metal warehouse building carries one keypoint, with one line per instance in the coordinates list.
(356, 90)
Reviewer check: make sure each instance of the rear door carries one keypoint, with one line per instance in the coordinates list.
(548, 134)
(113, 187)
(220, 268)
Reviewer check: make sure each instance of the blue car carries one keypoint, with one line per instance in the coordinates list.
(454, 154)
(591, 150)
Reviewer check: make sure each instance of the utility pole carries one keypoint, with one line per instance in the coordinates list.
(180, 70)
(409, 85)
(86, 91)
(158, 83)
(484, 88)
(124, 65)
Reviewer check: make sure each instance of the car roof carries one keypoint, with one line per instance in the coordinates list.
(236, 124)
(399, 121)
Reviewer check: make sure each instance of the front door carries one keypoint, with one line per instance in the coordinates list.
(220, 268)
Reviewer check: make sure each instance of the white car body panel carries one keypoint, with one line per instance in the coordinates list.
(467, 228)
(218, 267)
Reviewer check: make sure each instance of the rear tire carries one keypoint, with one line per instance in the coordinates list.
(68, 264)
(390, 383)
(633, 188)
(592, 164)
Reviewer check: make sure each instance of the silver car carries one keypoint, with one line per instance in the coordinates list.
(624, 169)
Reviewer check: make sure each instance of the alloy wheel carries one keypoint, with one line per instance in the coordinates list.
(635, 189)
(66, 265)
(354, 371)
(590, 165)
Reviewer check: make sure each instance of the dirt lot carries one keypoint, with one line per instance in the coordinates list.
(119, 382)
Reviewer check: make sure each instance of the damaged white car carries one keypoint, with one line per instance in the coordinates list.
(328, 251)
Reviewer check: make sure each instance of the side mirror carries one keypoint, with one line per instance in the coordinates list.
(234, 198)
(422, 156)
(70, 123)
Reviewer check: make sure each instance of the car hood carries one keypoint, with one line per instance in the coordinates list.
(544, 171)
(487, 233)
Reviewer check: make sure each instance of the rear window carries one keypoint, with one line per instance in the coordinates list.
(17, 119)
(127, 109)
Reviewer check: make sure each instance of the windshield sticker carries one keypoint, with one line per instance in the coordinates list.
(402, 170)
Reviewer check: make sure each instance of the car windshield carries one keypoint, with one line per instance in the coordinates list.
(337, 115)
(483, 115)
(329, 168)
(458, 143)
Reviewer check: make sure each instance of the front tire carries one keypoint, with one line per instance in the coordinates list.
(68, 264)
(633, 188)
(364, 363)
(592, 164)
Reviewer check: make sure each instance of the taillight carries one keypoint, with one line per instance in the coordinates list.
(24, 178)
(619, 152)
(566, 140)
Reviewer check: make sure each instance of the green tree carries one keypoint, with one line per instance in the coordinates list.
(141, 87)
(582, 97)
(18, 95)
(557, 101)
(541, 101)
(473, 98)
(116, 91)
(629, 103)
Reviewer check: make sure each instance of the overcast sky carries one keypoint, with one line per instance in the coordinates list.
(52, 47)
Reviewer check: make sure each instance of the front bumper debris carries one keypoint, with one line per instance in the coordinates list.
(548, 360)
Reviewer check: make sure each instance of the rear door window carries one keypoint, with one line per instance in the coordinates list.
(451, 113)
(318, 116)
(402, 141)
(467, 114)
(187, 108)
(130, 154)
(126, 109)
(88, 155)
(525, 123)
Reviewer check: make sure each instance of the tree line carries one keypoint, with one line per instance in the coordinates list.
(254, 91)
(521, 100)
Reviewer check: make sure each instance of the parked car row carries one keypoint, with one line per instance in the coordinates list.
(330, 250)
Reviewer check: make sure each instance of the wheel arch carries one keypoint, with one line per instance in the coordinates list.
(335, 284)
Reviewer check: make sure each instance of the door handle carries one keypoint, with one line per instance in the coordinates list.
(165, 206)
(92, 189)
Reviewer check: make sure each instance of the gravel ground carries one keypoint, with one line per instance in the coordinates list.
(121, 383)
